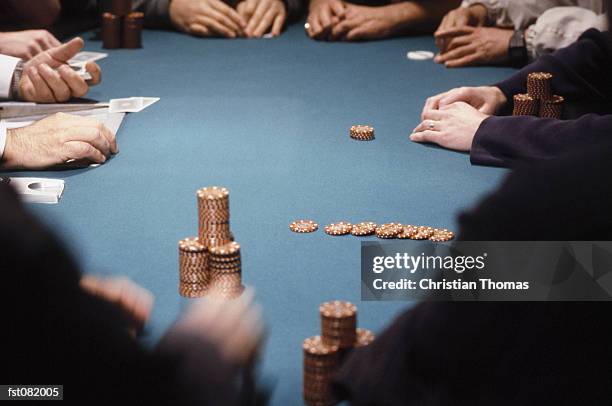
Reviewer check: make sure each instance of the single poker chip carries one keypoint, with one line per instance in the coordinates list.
(364, 337)
(420, 55)
(408, 231)
(389, 230)
(303, 226)
(363, 229)
(340, 228)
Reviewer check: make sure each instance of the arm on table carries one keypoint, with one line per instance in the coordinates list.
(506, 141)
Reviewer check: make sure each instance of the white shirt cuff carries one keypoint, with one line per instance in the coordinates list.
(7, 69)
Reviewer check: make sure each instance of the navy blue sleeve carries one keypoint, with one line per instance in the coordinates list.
(504, 141)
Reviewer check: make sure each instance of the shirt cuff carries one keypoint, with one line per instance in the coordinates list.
(3, 131)
(7, 69)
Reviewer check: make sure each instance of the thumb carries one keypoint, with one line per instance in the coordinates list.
(66, 51)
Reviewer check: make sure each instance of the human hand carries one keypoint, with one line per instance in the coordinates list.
(262, 16)
(26, 44)
(469, 46)
(47, 78)
(206, 18)
(453, 126)
(56, 139)
(473, 16)
(487, 99)
(323, 15)
(367, 23)
(134, 300)
(234, 326)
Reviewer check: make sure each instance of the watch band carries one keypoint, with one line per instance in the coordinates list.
(517, 49)
(16, 80)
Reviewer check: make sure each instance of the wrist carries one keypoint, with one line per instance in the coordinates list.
(407, 17)
(10, 158)
(500, 97)
(478, 14)
(16, 81)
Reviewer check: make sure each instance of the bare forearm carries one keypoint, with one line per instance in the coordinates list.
(421, 16)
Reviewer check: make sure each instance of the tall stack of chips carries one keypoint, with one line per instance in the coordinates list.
(122, 28)
(193, 268)
(225, 270)
(540, 100)
(212, 260)
(323, 354)
(213, 216)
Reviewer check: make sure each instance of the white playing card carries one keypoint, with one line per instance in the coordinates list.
(131, 104)
(86, 56)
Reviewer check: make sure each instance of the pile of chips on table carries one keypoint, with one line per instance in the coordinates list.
(122, 27)
(323, 353)
(212, 259)
(539, 100)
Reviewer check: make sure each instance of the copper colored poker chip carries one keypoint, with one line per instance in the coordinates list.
(552, 108)
(389, 230)
(363, 229)
(364, 337)
(525, 105)
(303, 226)
(340, 228)
(442, 235)
(111, 31)
(407, 232)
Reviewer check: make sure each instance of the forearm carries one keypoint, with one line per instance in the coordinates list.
(420, 16)
(506, 141)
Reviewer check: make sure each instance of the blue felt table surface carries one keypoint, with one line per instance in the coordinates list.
(269, 120)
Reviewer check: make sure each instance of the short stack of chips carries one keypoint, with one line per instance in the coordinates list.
(383, 231)
(362, 132)
(122, 28)
(225, 269)
(323, 354)
(539, 100)
(213, 216)
(193, 268)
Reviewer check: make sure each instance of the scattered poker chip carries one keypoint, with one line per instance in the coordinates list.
(420, 55)
(407, 232)
(362, 132)
(340, 228)
(303, 226)
(442, 235)
(389, 230)
(364, 337)
(363, 229)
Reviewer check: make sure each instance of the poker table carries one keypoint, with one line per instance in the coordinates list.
(269, 120)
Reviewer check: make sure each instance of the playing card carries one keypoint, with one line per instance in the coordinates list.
(131, 104)
(86, 56)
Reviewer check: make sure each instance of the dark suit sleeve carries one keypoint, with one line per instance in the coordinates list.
(295, 9)
(505, 141)
(581, 71)
(155, 12)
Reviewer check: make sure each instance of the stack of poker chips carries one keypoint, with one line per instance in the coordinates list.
(362, 132)
(225, 270)
(211, 261)
(323, 354)
(122, 28)
(193, 268)
(213, 216)
(539, 100)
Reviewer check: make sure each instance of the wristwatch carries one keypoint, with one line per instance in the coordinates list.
(16, 79)
(517, 49)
